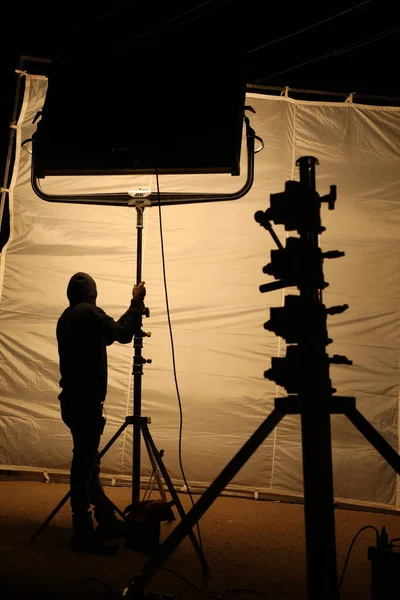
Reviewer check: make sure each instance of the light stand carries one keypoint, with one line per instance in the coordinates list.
(304, 373)
(140, 423)
(138, 362)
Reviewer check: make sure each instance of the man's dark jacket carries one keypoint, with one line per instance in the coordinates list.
(83, 332)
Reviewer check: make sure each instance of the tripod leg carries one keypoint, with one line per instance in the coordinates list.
(135, 589)
(160, 485)
(156, 471)
(150, 485)
(114, 438)
(66, 497)
(156, 456)
(113, 506)
(102, 453)
(50, 517)
(374, 438)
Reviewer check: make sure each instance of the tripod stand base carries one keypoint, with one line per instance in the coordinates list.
(289, 405)
(163, 509)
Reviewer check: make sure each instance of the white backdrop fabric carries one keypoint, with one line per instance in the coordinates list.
(214, 254)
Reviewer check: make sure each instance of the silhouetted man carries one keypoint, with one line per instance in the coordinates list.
(83, 332)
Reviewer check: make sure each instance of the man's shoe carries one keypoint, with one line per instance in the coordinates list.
(91, 543)
(112, 528)
(84, 537)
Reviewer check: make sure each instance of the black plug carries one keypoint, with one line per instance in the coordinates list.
(384, 540)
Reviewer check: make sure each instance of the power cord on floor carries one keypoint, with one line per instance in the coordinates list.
(222, 594)
(175, 377)
(352, 545)
(108, 592)
(244, 591)
(193, 585)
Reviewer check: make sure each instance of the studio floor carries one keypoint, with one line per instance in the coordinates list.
(247, 543)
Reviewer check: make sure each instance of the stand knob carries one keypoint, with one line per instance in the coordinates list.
(333, 254)
(335, 310)
(330, 198)
(339, 359)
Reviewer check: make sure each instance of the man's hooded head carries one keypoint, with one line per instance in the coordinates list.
(81, 288)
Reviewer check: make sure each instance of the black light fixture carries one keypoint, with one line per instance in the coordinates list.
(174, 106)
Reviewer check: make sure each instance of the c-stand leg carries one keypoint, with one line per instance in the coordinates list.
(374, 438)
(135, 590)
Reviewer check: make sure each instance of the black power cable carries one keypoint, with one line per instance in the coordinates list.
(193, 585)
(317, 24)
(222, 595)
(342, 50)
(164, 27)
(175, 373)
(244, 591)
(351, 548)
(106, 591)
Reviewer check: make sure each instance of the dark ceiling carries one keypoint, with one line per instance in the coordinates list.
(363, 38)
(345, 46)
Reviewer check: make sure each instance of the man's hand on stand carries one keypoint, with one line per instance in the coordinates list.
(139, 292)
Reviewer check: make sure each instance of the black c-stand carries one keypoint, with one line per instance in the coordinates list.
(139, 422)
(304, 373)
